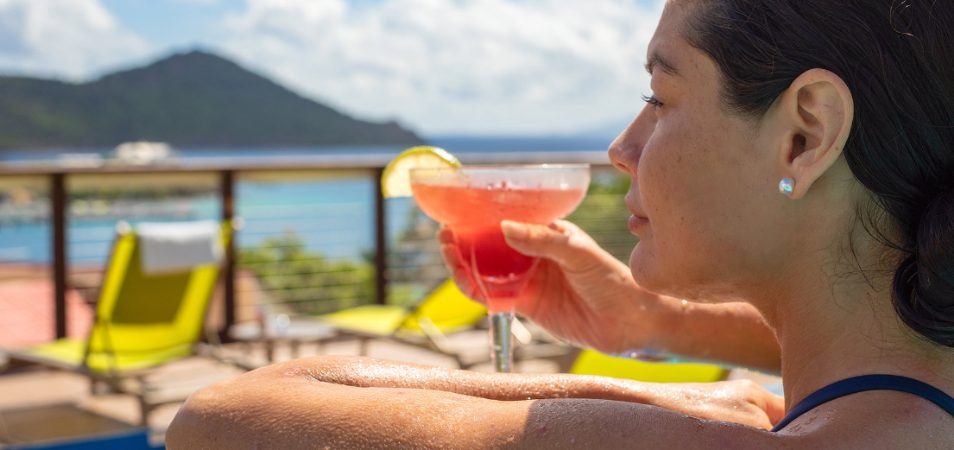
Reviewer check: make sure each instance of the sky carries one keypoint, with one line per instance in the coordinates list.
(475, 67)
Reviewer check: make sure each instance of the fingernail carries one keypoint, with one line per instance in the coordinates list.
(514, 230)
(445, 235)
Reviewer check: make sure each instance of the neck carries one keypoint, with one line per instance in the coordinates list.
(833, 328)
(832, 308)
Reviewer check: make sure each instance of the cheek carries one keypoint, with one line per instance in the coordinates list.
(681, 178)
(692, 185)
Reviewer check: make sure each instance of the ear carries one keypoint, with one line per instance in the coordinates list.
(816, 111)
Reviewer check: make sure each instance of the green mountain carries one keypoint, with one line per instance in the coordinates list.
(194, 99)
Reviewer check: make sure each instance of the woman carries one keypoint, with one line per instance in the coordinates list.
(797, 155)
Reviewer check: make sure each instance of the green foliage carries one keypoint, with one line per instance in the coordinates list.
(414, 261)
(604, 215)
(306, 282)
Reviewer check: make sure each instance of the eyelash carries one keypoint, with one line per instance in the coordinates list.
(652, 100)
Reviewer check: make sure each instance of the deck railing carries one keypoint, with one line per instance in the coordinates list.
(343, 200)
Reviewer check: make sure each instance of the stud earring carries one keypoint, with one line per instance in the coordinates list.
(786, 186)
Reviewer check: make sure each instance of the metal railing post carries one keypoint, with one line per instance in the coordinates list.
(227, 182)
(59, 262)
(380, 241)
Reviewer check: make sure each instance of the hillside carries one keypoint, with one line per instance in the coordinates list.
(194, 99)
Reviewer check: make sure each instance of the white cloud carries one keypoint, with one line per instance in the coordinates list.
(440, 66)
(73, 39)
(456, 66)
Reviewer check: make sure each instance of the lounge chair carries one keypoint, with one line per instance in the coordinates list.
(590, 362)
(445, 310)
(142, 320)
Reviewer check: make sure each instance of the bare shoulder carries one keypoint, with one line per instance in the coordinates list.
(875, 420)
(578, 423)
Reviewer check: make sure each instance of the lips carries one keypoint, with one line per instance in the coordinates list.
(638, 219)
(635, 223)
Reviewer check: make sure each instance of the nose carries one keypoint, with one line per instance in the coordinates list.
(627, 148)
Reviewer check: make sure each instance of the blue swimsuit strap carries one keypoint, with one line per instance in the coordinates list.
(868, 383)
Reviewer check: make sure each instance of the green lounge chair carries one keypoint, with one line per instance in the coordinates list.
(591, 362)
(141, 321)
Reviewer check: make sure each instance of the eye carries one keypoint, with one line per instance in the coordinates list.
(652, 100)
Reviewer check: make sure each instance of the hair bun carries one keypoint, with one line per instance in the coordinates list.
(924, 282)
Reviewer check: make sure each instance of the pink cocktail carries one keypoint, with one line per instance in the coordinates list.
(473, 200)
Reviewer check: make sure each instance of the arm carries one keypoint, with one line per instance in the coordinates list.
(738, 401)
(731, 332)
(583, 294)
(302, 405)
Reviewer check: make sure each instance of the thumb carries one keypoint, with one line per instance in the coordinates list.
(775, 409)
(541, 241)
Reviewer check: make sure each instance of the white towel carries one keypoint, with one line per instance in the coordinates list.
(178, 246)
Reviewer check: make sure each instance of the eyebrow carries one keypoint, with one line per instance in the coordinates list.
(656, 60)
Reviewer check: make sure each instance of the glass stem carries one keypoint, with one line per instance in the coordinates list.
(502, 341)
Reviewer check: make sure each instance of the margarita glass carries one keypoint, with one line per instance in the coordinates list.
(472, 201)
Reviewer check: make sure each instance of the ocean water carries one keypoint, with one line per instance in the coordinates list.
(454, 144)
(331, 215)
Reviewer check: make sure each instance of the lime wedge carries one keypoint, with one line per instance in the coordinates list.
(396, 179)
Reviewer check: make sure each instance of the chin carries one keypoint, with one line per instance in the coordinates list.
(681, 280)
(656, 276)
(646, 271)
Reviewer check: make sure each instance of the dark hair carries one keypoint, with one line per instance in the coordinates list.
(897, 57)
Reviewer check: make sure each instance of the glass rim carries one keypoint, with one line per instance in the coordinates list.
(501, 167)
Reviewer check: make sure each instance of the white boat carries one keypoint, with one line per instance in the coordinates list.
(141, 153)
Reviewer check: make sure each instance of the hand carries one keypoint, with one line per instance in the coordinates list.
(739, 401)
(579, 292)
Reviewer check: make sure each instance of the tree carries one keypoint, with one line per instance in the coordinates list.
(307, 282)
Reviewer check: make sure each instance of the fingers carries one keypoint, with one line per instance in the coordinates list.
(545, 241)
(457, 266)
(775, 408)
(772, 405)
(445, 235)
(558, 240)
(534, 240)
(460, 271)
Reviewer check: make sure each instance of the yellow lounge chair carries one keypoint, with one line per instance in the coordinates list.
(591, 362)
(141, 321)
(443, 311)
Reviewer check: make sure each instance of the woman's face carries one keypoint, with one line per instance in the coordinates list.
(704, 192)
